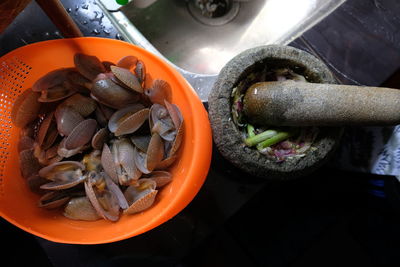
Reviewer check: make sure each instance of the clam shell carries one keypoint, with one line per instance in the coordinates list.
(92, 161)
(67, 119)
(26, 108)
(63, 175)
(177, 142)
(112, 213)
(127, 62)
(81, 134)
(140, 71)
(111, 94)
(131, 123)
(114, 189)
(53, 200)
(50, 172)
(165, 163)
(174, 113)
(159, 91)
(25, 142)
(63, 152)
(123, 155)
(140, 197)
(82, 104)
(140, 160)
(56, 93)
(88, 66)
(161, 123)
(100, 138)
(47, 133)
(141, 141)
(65, 180)
(34, 182)
(29, 165)
(51, 79)
(127, 78)
(155, 152)
(160, 177)
(107, 161)
(78, 82)
(107, 65)
(121, 114)
(80, 208)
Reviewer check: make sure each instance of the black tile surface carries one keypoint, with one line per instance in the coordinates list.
(359, 41)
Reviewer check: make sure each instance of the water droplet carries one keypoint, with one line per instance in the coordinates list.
(84, 22)
(76, 7)
(96, 31)
(69, 10)
(98, 17)
(119, 36)
(106, 31)
(85, 6)
(46, 34)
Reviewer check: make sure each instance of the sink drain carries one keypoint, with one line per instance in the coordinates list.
(213, 12)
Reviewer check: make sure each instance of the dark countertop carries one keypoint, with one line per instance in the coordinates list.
(326, 219)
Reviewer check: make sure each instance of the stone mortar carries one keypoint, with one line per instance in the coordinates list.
(226, 134)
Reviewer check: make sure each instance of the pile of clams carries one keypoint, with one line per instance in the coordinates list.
(97, 139)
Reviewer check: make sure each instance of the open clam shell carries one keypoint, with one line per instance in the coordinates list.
(140, 197)
(104, 202)
(160, 122)
(53, 200)
(114, 189)
(64, 152)
(48, 132)
(147, 161)
(50, 172)
(92, 161)
(63, 175)
(123, 155)
(141, 141)
(128, 120)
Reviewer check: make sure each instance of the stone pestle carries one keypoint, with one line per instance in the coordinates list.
(290, 103)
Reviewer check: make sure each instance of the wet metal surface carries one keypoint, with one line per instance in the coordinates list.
(204, 49)
(32, 24)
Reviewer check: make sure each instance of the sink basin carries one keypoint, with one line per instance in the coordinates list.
(199, 43)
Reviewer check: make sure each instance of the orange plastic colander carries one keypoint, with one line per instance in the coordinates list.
(20, 68)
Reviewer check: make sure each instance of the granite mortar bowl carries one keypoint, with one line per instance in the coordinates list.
(20, 68)
(226, 134)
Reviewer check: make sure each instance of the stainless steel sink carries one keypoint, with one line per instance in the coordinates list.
(199, 42)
